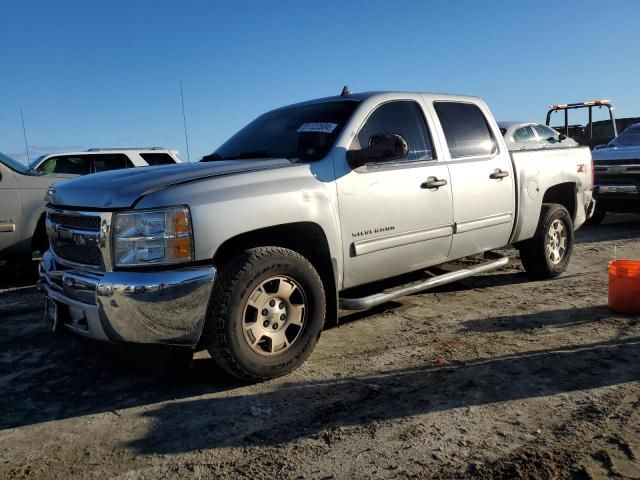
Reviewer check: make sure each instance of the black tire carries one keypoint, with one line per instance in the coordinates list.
(534, 254)
(224, 335)
(597, 218)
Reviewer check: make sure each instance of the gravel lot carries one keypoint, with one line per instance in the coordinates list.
(493, 377)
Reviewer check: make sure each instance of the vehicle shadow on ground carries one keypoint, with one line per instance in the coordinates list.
(18, 275)
(564, 318)
(616, 227)
(45, 376)
(300, 410)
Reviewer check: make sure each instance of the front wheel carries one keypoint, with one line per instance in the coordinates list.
(547, 254)
(266, 313)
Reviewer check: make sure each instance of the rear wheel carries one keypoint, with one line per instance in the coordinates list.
(548, 253)
(267, 312)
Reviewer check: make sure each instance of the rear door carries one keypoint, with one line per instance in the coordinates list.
(391, 221)
(482, 181)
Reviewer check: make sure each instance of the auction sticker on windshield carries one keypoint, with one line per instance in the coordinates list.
(317, 127)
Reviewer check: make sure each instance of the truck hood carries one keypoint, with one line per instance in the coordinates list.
(617, 153)
(118, 189)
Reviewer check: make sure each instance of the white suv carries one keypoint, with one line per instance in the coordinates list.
(103, 159)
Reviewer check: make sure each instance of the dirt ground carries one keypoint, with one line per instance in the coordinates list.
(493, 377)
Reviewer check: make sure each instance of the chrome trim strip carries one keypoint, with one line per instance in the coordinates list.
(383, 297)
(362, 247)
(490, 221)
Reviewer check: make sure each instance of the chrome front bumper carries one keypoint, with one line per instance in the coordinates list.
(161, 307)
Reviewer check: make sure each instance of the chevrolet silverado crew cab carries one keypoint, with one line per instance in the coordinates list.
(248, 253)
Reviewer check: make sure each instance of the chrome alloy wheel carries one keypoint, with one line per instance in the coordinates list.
(556, 242)
(274, 315)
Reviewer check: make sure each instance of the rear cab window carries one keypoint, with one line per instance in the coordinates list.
(405, 118)
(158, 158)
(466, 130)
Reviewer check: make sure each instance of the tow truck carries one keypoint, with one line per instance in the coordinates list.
(595, 134)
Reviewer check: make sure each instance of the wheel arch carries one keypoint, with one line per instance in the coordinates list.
(563, 194)
(306, 238)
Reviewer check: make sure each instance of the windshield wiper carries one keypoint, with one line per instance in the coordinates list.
(253, 154)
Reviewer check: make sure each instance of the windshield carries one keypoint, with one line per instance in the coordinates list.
(305, 133)
(14, 164)
(629, 138)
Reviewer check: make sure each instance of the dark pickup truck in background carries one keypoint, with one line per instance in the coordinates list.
(617, 175)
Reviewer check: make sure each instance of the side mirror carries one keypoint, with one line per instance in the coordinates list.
(383, 147)
(562, 137)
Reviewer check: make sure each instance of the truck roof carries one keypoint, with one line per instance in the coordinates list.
(361, 96)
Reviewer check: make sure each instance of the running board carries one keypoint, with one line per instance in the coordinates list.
(383, 297)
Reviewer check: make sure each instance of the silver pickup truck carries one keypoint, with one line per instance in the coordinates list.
(248, 253)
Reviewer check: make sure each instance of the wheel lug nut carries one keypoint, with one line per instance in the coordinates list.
(275, 326)
(283, 317)
(272, 303)
(265, 324)
(281, 306)
(265, 312)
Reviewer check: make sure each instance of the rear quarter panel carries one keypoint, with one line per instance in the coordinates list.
(538, 170)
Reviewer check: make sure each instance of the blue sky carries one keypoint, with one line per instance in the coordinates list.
(106, 73)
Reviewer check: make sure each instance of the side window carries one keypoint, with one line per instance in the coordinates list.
(465, 129)
(157, 158)
(524, 135)
(545, 133)
(71, 164)
(404, 118)
(111, 161)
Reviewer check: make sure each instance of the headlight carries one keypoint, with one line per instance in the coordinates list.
(153, 237)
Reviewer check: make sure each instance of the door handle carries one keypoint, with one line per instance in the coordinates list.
(498, 174)
(433, 182)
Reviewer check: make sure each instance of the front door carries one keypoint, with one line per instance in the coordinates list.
(395, 216)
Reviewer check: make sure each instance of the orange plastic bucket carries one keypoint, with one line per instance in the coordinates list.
(624, 286)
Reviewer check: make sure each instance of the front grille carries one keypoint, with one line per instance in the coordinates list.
(77, 254)
(76, 222)
(74, 237)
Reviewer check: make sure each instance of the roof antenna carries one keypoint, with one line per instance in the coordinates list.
(184, 122)
(345, 91)
(24, 133)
